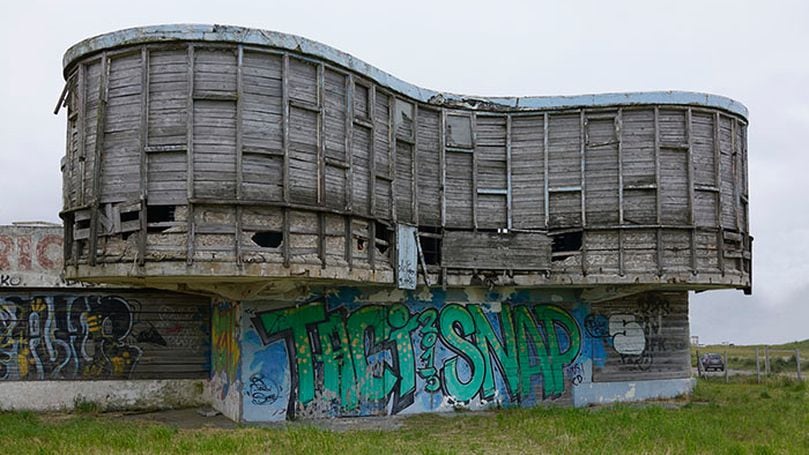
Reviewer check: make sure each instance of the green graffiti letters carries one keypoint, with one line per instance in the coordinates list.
(456, 325)
(381, 354)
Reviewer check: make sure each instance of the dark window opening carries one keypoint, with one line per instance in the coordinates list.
(130, 216)
(268, 239)
(569, 242)
(430, 240)
(382, 237)
(159, 214)
(157, 217)
(125, 235)
(360, 244)
(83, 224)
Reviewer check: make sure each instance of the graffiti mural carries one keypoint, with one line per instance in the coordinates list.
(644, 330)
(372, 359)
(68, 336)
(85, 338)
(224, 337)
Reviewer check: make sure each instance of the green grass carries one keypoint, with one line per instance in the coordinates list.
(782, 356)
(739, 417)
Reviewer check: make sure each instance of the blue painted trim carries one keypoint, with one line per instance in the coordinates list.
(242, 35)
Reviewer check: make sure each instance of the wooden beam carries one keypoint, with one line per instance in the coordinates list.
(372, 153)
(658, 203)
(237, 241)
(392, 156)
(720, 235)
(190, 225)
(285, 226)
(473, 122)
(545, 144)
(619, 135)
(321, 237)
(321, 135)
(442, 125)
(144, 164)
(509, 198)
(349, 141)
(691, 194)
(285, 125)
(583, 139)
(81, 120)
(349, 243)
(414, 151)
(101, 113)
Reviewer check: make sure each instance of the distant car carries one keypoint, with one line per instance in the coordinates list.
(712, 361)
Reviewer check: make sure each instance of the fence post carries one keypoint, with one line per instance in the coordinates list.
(758, 368)
(767, 360)
(798, 363)
(699, 366)
(726, 366)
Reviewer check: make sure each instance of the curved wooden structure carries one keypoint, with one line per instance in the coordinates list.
(234, 160)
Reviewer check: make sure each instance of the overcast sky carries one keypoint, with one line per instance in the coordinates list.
(757, 54)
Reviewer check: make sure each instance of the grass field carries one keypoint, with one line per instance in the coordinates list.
(782, 356)
(739, 417)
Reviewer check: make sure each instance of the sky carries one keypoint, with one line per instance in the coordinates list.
(753, 52)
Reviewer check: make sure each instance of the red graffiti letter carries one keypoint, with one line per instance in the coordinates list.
(24, 252)
(6, 246)
(42, 251)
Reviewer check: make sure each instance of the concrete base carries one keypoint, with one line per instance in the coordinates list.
(613, 392)
(104, 395)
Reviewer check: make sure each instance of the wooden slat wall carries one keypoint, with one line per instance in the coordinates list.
(89, 335)
(527, 172)
(488, 250)
(235, 126)
(429, 169)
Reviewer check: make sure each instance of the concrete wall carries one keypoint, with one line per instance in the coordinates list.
(106, 395)
(361, 352)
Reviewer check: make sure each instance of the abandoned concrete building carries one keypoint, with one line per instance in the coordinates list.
(347, 244)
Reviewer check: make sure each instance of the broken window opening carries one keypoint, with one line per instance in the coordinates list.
(268, 239)
(430, 240)
(158, 218)
(403, 118)
(83, 224)
(130, 216)
(566, 244)
(383, 236)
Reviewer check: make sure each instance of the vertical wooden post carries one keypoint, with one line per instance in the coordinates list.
(545, 144)
(474, 173)
(144, 142)
(798, 363)
(699, 365)
(726, 366)
(190, 224)
(509, 205)
(767, 360)
(720, 234)
(237, 241)
(658, 200)
(619, 128)
(758, 367)
(101, 113)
